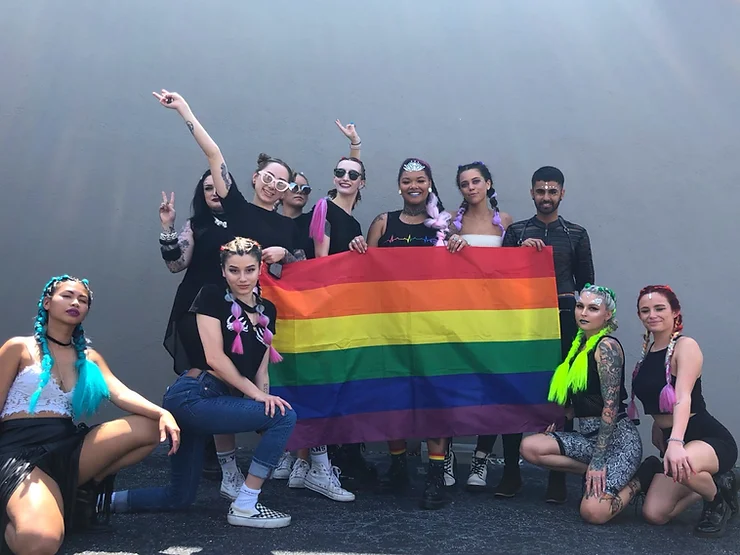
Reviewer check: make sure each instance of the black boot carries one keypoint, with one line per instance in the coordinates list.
(211, 468)
(729, 484)
(557, 491)
(435, 496)
(396, 479)
(511, 482)
(647, 471)
(714, 517)
(354, 467)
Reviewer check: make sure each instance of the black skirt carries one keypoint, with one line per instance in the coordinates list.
(52, 445)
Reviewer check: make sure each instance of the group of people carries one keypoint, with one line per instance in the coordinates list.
(57, 475)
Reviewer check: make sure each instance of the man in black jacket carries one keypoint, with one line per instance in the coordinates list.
(574, 268)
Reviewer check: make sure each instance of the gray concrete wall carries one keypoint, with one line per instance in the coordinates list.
(635, 101)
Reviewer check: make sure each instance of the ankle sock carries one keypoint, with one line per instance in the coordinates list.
(227, 461)
(439, 457)
(247, 498)
(320, 456)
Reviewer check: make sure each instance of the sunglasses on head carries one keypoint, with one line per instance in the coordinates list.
(268, 179)
(352, 174)
(301, 189)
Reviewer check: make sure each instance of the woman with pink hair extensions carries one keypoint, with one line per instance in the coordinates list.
(698, 451)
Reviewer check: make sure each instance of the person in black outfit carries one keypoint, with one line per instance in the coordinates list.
(292, 203)
(278, 234)
(422, 222)
(574, 268)
(698, 452)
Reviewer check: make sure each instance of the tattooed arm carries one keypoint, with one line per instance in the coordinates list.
(185, 244)
(262, 378)
(294, 256)
(376, 229)
(221, 178)
(610, 364)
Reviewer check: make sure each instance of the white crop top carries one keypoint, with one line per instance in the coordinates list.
(25, 384)
(475, 240)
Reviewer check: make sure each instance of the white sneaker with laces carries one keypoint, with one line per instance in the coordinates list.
(284, 466)
(230, 485)
(259, 517)
(478, 472)
(326, 482)
(297, 477)
(450, 468)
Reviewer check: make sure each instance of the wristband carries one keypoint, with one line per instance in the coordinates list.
(356, 145)
(682, 442)
(170, 255)
(165, 236)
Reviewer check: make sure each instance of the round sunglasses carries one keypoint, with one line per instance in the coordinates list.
(300, 189)
(352, 174)
(268, 179)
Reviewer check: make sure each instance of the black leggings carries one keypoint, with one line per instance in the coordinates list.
(705, 427)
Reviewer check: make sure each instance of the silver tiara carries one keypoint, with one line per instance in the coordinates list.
(413, 166)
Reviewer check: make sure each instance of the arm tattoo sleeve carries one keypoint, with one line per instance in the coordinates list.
(190, 127)
(185, 245)
(225, 175)
(294, 256)
(611, 364)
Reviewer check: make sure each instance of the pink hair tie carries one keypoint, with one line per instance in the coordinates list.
(236, 324)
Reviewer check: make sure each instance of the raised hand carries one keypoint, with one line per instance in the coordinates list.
(167, 211)
(349, 131)
(171, 100)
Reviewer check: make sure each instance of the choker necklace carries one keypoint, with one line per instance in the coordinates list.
(414, 211)
(220, 223)
(67, 344)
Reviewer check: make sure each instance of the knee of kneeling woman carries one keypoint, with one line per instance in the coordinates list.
(529, 449)
(654, 515)
(40, 543)
(594, 512)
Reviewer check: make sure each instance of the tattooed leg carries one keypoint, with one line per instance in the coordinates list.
(601, 510)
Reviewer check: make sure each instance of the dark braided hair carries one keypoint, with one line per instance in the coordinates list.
(490, 193)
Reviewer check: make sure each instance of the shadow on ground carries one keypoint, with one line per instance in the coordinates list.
(373, 524)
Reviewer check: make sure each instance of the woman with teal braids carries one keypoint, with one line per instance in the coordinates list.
(590, 384)
(50, 466)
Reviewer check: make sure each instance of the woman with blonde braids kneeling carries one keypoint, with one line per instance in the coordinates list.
(590, 382)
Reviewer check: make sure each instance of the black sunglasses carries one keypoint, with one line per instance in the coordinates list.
(353, 174)
(302, 189)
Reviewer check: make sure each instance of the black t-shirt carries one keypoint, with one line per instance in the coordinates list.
(342, 228)
(305, 243)
(211, 302)
(267, 227)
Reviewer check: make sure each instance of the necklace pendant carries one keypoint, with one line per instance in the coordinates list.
(220, 223)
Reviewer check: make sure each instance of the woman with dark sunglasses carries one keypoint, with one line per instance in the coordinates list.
(293, 201)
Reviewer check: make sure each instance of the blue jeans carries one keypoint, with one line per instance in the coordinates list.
(204, 406)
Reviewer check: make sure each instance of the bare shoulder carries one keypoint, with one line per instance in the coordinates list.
(94, 356)
(687, 347)
(506, 219)
(16, 346)
(379, 218)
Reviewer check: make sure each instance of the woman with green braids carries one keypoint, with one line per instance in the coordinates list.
(48, 464)
(590, 383)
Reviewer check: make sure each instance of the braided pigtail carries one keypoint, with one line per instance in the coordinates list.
(263, 321)
(459, 216)
(668, 393)
(234, 322)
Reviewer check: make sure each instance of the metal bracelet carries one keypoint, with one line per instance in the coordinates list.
(168, 236)
(682, 442)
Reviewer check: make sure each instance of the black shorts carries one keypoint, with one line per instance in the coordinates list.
(705, 427)
(52, 445)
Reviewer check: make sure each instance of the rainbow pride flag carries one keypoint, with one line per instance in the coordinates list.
(416, 342)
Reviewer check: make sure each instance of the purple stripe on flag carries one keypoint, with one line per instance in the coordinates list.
(429, 423)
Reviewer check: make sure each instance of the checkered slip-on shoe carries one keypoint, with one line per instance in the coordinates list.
(260, 517)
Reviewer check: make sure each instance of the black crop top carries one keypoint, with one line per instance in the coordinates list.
(589, 402)
(211, 302)
(650, 381)
(399, 234)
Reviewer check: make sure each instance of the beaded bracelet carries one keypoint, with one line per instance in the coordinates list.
(165, 236)
(682, 442)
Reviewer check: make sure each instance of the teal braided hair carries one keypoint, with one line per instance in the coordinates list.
(91, 388)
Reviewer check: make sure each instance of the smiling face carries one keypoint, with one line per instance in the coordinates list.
(348, 177)
(547, 196)
(297, 197)
(68, 303)
(656, 313)
(473, 186)
(414, 187)
(270, 183)
(591, 312)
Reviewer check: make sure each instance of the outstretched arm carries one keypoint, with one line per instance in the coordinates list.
(355, 143)
(217, 164)
(178, 254)
(610, 364)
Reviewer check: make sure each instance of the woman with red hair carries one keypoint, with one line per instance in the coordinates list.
(698, 452)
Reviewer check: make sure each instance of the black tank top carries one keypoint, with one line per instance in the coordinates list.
(650, 381)
(590, 402)
(399, 234)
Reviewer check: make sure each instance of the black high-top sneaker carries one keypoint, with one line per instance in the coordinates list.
(435, 496)
(511, 482)
(396, 480)
(354, 467)
(729, 484)
(714, 517)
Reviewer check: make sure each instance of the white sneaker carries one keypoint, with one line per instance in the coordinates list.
(284, 465)
(260, 517)
(478, 471)
(230, 485)
(326, 482)
(450, 468)
(298, 474)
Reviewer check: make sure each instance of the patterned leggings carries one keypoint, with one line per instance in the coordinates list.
(623, 454)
